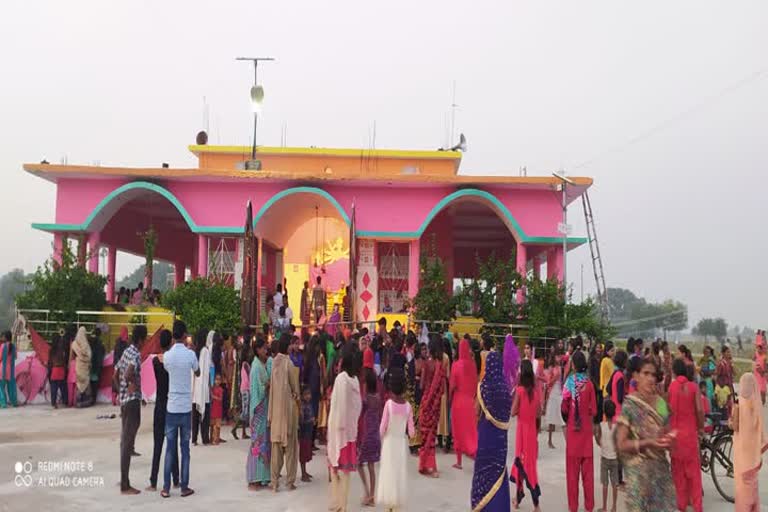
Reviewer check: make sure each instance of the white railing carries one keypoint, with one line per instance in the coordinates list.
(47, 322)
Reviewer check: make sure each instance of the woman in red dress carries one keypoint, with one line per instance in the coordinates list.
(433, 383)
(463, 390)
(527, 407)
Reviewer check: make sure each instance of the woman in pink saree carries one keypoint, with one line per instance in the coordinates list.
(748, 434)
(463, 390)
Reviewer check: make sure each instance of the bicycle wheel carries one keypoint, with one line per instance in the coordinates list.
(721, 467)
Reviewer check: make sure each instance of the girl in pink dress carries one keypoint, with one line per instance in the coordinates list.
(463, 389)
(396, 423)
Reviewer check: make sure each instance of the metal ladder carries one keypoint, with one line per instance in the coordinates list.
(597, 262)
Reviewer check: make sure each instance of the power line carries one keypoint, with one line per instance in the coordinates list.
(679, 116)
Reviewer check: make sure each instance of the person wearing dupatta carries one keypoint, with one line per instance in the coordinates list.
(490, 487)
(334, 322)
(7, 371)
(412, 391)
(760, 367)
(463, 389)
(526, 405)
(707, 366)
(578, 408)
(686, 419)
(81, 355)
(748, 434)
(258, 468)
(433, 384)
(346, 405)
(641, 443)
(511, 362)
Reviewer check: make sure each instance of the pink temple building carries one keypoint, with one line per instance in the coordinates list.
(406, 203)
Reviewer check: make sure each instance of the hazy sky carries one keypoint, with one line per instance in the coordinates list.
(666, 102)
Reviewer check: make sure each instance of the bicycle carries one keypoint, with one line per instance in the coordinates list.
(716, 455)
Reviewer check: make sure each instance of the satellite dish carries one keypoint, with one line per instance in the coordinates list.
(202, 138)
(257, 96)
(462, 145)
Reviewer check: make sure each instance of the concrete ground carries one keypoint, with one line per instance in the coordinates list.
(39, 434)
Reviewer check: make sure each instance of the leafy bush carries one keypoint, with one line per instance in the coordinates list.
(203, 303)
(434, 300)
(65, 287)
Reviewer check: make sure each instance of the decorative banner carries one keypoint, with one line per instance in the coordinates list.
(367, 293)
(367, 249)
(367, 285)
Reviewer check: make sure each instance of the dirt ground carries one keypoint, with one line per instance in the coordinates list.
(43, 437)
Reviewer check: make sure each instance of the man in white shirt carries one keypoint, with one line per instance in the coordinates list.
(180, 363)
(278, 297)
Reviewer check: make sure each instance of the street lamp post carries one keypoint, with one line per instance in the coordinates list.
(257, 96)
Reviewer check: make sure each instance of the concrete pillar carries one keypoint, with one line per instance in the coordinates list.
(202, 255)
(82, 250)
(522, 268)
(555, 264)
(111, 273)
(58, 247)
(259, 276)
(94, 240)
(536, 268)
(179, 269)
(414, 268)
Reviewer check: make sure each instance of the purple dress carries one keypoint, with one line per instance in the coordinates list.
(369, 445)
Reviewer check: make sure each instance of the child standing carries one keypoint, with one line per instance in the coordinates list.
(369, 449)
(217, 409)
(396, 420)
(609, 464)
(57, 371)
(306, 430)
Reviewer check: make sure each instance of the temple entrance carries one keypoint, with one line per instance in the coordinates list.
(305, 235)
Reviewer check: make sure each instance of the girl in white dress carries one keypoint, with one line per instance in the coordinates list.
(552, 417)
(396, 419)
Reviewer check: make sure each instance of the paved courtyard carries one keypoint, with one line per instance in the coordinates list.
(43, 436)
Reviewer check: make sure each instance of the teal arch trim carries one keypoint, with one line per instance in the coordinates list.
(141, 185)
(300, 190)
(503, 211)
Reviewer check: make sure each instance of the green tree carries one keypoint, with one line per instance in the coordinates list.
(707, 327)
(205, 304)
(161, 272)
(433, 302)
(64, 289)
(493, 291)
(11, 285)
(622, 304)
(548, 315)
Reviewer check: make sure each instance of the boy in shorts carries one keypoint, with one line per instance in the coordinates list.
(609, 464)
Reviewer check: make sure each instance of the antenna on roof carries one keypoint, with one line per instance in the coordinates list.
(453, 112)
(206, 115)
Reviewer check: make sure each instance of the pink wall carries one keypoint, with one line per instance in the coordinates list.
(223, 203)
(76, 198)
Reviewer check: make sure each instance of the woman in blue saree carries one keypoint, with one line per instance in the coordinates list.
(490, 485)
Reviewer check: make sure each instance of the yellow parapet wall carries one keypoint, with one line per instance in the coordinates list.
(116, 317)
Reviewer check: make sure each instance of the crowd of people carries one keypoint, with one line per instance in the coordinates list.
(138, 296)
(376, 398)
